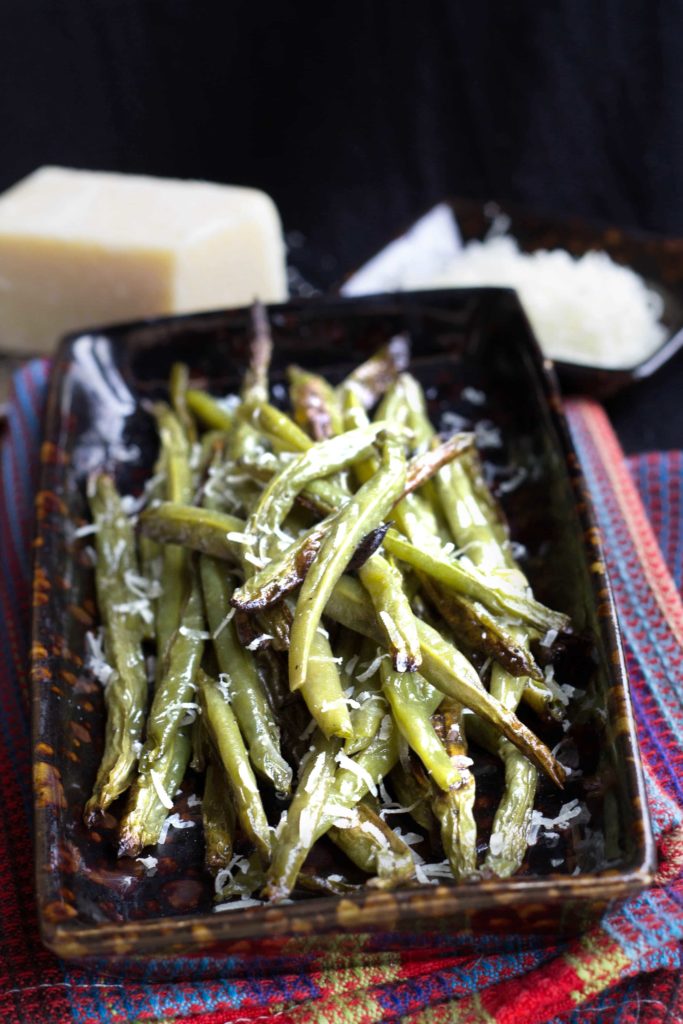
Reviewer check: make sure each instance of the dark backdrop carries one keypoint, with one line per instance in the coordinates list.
(358, 116)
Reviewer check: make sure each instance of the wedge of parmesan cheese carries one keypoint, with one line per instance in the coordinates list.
(79, 248)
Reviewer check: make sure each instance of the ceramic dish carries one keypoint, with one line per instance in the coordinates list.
(435, 238)
(474, 354)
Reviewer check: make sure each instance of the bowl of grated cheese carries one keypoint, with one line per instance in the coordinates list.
(605, 305)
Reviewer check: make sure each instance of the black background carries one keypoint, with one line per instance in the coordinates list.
(356, 117)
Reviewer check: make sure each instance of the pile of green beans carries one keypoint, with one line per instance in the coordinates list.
(338, 624)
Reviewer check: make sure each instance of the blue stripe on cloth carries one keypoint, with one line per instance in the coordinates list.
(643, 627)
(648, 927)
(459, 980)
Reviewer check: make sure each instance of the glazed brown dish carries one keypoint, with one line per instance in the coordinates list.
(474, 355)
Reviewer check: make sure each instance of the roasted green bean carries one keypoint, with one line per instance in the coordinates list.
(227, 739)
(125, 694)
(362, 512)
(247, 696)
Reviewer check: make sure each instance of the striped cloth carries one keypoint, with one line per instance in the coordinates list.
(626, 969)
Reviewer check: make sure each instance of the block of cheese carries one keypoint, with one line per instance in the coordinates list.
(79, 248)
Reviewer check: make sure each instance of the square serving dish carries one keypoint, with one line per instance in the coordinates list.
(475, 355)
(435, 239)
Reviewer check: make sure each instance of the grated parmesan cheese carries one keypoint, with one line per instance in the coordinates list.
(224, 682)
(173, 821)
(258, 641)
(350, 665)
(241, 538)
(372, 668)
(589, 310)
(241, 904)
(86, 531)
(149, 864)
(95, 659)
(569, 813)
(194, 634)
(371, 830)
(549, 638)
(221, 626)
(160, 789)
(363, 774)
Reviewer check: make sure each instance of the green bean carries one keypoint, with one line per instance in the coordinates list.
(423, 433)
(392, 407)
(418, 418)
(424, 467)
(276, 425)
(455, 808)
(318, 804)
(283, 574)
(481, 527)
(355, 417)
(323, 459)
(201, 746)
(176, 455)
(201, 529)
(297, 831)
(543, 701)
(176, 685)
(310, 882)
(227, 739)
(314, 403)
(209, 410)
(477, 629)
(322, 690)
(413, 702)
(494, 595)
(151, 555)
(222, 536)
(125, 694)
(249, 876)
(375, 848)
(145, 812)
(323, 496)
(363, 511)
(513, 815)
(384, 585)
(255, 380)
(414, 792)
(371, 765)
(372, 378)
(447, 670)
(474, 528)
(243, 440)
(218, 818)
(366, 720)
(178, 388)
(247, 696)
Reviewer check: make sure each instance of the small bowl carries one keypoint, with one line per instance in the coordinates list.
(659, 261)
